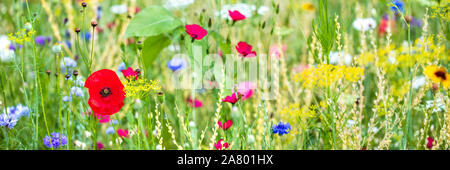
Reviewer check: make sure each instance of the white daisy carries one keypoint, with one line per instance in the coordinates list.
(364, 24)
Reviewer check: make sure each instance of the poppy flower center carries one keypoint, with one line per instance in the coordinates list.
(105, 92)
(440, 74)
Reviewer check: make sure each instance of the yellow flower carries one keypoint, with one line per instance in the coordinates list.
(308, 6)
(438, 75)
(325, 75)
(140, 87)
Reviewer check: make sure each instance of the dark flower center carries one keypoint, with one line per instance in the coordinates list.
(440, 74)
(105, 92)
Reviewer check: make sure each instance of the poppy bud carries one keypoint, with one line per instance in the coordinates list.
(84, 4)
(209, 22)
(263, 25)
(140, 45)
(75, 73)
(67, 76)
(56, 74)
(94, 23)
(435, 86)
(48, 72)
(160, 93)
(129, 16)
(77, 30)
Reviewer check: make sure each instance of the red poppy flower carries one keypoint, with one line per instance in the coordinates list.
(106, 92)
(232, 99)
(219, 145)
(122, 133)
(236, 15)
(100, 146)
(225, 125)
(430, 142)
(129, 72)
(245, 49)
(196, 31)
(195, 103)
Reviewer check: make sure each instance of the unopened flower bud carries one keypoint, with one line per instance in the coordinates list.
(84, 4)
(77, 30)
(94, 23)
(75, 73)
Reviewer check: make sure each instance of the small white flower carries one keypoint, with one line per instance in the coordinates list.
(192, 124)
(342, 57)
(437, 107)
(80, 144)
(262, 10)
(119, 9)
(350, 123)
(158, 147)
(250, 139)
(6, 54)
(364, 24)
(173, 4)
(418, 82)
(87, 133)
(174, 47)
(56, 48)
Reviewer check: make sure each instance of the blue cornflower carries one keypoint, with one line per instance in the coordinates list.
(66, 98)
(281, 128)
(41, 40)
(11, 115)
(76, 91)
(56, 140)
(86, 36)
(99, 13)
(8, 120)
(110, 130)
(68, 44)
(121, 67)
(176, 64)
(398, 4)
(69, 63)
(21, 110)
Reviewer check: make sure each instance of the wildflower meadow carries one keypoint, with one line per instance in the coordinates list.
(224, 75)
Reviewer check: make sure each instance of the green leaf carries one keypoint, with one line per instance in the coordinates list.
(152, 21)
(152, 47)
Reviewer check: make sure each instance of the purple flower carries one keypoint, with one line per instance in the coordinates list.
(56, 140)
(41, 40)
(14, 47)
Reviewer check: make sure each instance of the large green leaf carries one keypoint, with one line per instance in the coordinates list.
(152, 21)
(152, 47)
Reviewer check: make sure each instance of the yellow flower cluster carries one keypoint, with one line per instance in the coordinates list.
(21, 36)
(325, 75)
(423, 51)
(438, 75)
(140, 87)
(442, 11)
(294, 110)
